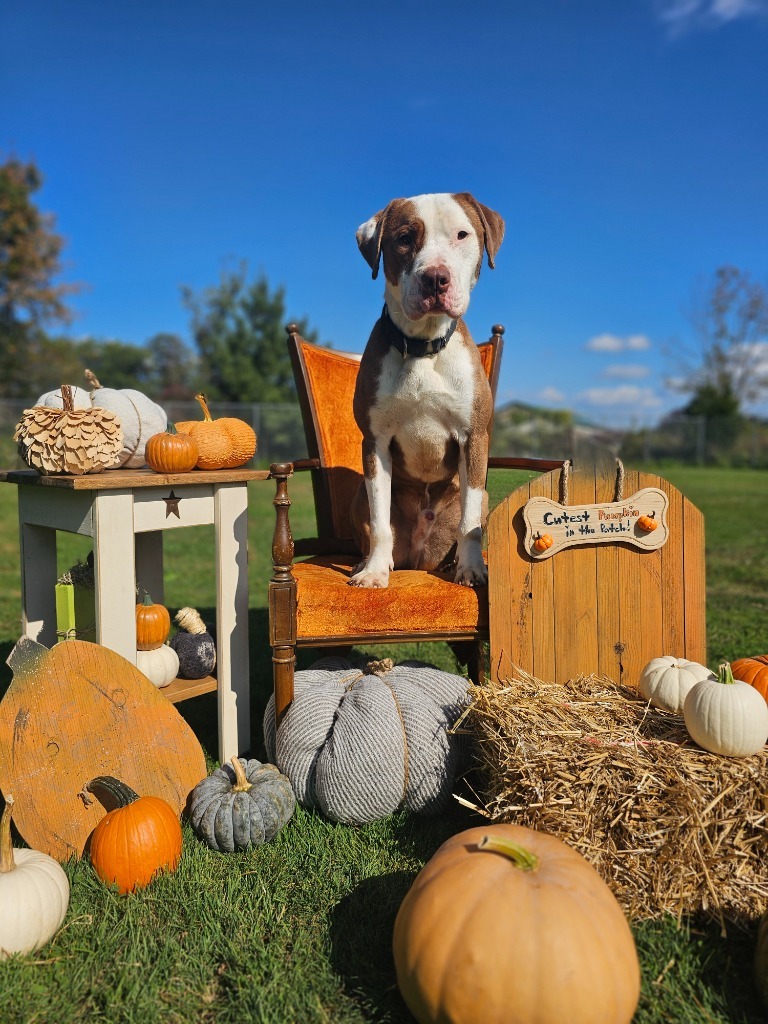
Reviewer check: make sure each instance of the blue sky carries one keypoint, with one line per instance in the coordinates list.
(625, 142)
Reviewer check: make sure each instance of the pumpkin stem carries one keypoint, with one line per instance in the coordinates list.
(92, 379)
(204, 403)
(121, 794)
(7, 863)
(147, 600)
(520, 857)
(190, 621)
(67, 400)
(725, 674)
(242, 785)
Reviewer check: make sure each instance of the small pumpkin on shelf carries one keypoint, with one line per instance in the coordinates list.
(193, 644)
(160, 665)
(726, 715)
(223, 443)
(153, 624)
(241, 806)
(171, 452)
(34, 893)
(138, 838)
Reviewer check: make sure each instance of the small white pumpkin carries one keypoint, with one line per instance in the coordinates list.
(161, 665)
(666, 681)
(139, 416)
(726, 716)
(34, 894)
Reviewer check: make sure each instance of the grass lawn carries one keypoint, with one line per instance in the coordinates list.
(299, 930)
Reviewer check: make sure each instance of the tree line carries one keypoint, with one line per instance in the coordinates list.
(238, 332)
(237, 326)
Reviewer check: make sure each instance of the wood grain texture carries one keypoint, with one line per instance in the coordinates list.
(605, 609)
(77, 711)
(115, 479)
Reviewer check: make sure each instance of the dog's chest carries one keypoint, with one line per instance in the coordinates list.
(424, 404)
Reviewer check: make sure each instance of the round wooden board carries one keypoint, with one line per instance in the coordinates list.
(77, 711)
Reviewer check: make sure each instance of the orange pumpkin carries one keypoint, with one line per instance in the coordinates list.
(153, 624)
(754, 671)
(171, 452)
(135, 840)
(542, 541)
(224, 443)
(647, 523)
(506, 923)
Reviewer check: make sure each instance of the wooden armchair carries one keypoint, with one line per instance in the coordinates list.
(310, 602)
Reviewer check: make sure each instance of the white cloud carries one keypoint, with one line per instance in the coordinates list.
(682, 16)
(615, 343)
(551, 395)
(627, 371)
(626, 395)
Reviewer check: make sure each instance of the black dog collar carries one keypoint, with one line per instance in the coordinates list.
(408, 346)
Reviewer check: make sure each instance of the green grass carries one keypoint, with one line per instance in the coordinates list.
(299, 930)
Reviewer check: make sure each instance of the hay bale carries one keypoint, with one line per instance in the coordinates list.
(670, 827)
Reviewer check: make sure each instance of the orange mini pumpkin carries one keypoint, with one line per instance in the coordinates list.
(224, 443)
(542, 541)
(171, 452)
(647, 523)
(754, 671)
(153, 624)
(139, 837)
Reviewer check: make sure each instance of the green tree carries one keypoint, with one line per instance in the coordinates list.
(30, 259)
(172, 366)
(239, 330)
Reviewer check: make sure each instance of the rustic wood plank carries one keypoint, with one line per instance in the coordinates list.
(651, 606)
(609, 643)
(116, 479)
(182, 689)
(693, 584)
(541, 588)
(673, 608)
(503, 610)
(631, 657)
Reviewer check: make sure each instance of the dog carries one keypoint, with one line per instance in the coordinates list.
(422, 400)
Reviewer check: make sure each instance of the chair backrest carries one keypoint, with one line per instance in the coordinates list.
(325, 381)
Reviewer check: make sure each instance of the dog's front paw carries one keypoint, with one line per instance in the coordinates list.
(471, 575)
(371, 578)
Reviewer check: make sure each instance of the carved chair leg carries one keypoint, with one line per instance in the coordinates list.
(282, 595)
(471, 653)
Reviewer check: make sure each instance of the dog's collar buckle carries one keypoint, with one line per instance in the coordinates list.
(408, 346)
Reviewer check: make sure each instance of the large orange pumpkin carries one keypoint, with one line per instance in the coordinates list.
(753, 671)
(136, 839)
(506, 925)
(224, 443)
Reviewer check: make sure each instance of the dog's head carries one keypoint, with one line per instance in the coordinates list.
(432, 246)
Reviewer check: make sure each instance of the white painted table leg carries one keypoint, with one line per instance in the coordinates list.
(38, 583)
(233, 674)
(149, 565)
(114, 571)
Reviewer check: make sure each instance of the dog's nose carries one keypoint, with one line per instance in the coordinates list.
(436, 280)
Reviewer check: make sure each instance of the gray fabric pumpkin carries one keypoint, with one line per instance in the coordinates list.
(358, 745)
(194, 645)
(240, 806)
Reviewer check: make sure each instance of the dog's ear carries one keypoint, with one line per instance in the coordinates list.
(369, 240)
(492, 223)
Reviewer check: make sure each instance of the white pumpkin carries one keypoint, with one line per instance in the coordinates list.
(726, 716)
(665, 681)
(161, 665)
(139, 416)
(34, 894)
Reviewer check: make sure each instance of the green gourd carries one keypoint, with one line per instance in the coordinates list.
(194, 645)
(240, 806)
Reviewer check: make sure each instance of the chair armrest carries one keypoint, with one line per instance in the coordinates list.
(512, 462)
(300, 464)
(282, 541)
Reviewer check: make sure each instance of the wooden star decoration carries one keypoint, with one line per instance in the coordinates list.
(172, 505)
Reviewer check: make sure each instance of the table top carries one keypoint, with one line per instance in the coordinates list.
(126, 479)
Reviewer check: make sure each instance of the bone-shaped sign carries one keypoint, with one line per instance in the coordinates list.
(640, 520)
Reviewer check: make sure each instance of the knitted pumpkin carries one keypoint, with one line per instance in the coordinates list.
(222, 444)
(241, 806)
(194, 645)
(359, 745)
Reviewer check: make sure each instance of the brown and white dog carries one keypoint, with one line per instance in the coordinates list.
(422, 401)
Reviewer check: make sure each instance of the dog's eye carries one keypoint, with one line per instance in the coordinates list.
(405, 239)
(463, 234)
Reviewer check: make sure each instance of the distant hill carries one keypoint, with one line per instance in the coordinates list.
(531, 431)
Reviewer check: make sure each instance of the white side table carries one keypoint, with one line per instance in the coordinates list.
(126, 512)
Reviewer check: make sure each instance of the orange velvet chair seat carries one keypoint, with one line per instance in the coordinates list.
(414, 602)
